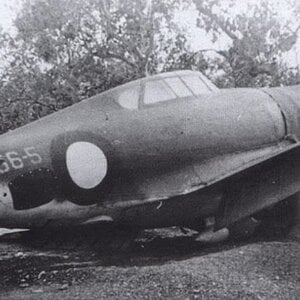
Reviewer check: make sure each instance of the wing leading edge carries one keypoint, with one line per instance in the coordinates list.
(259, 186)
(218, 171)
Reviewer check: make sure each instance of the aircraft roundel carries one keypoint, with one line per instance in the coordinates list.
(86, 164)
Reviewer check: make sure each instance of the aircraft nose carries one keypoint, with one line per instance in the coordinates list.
(295, 107)
(288, 99)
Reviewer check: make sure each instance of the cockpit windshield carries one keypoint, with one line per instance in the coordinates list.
(177, 85)
(157, 91)
(195, 84)
(163, 87)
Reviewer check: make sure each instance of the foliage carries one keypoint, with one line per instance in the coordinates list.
(65, 51)
(258, 40)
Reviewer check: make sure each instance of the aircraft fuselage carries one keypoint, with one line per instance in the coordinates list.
(97, 161)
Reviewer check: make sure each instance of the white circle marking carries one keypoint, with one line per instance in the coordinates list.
(86, 164)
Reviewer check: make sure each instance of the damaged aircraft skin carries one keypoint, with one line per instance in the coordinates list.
(166, 150)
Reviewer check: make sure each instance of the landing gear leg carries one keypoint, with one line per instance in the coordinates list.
(211, 236)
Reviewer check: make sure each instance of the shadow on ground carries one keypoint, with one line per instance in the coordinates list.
(33, 253)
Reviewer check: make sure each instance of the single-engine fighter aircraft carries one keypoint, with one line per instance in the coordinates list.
(166, 150)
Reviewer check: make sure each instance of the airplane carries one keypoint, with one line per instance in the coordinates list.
(166, 150)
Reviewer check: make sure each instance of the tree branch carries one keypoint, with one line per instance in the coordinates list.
(207, 12)
(219, 52)
(119, 57)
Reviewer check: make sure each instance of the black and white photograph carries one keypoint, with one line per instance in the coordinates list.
(149, 149)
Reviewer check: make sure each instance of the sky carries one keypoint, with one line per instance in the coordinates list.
(8, 10)
(198, 37)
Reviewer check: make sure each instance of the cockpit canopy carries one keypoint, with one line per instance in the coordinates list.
(161, 88)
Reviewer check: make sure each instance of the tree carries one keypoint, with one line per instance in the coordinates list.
(258, 40)
(65, 51)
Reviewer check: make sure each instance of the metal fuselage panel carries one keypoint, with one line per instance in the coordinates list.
(140, 146)
(288, 99)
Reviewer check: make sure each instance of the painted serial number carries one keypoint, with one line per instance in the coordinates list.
(14, 160)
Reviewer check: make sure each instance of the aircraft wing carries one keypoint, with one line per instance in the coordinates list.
(249, 181)
(260, 185)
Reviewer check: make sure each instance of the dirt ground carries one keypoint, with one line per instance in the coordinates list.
(160, 264)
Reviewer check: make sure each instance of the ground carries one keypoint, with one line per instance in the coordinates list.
(160, 264)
